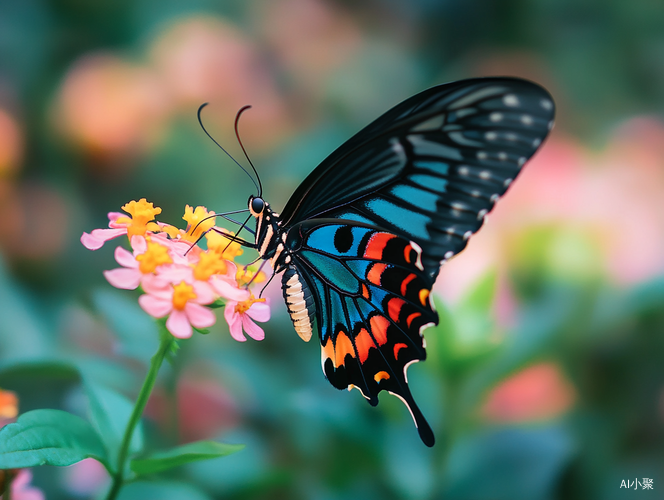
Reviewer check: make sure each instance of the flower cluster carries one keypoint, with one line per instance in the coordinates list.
(179, 277)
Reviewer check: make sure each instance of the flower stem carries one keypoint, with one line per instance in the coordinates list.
(141, 401)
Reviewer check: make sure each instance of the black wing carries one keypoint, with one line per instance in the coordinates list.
(432, 167)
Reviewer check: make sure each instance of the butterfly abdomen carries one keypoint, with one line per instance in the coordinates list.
(300, 302)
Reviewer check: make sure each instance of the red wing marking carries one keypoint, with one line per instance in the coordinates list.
(365, 292)
(411, 317)
(406, 253)
(379, 326)
(404, 283)
(397, 348)
(375, 273)
(376, 245)
(364, 342)
(382, 375)
(394, 308)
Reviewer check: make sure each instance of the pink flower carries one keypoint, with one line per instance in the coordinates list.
(147, 258)
(139, 223)
(239, 317)
(181, 302)
(21, 489)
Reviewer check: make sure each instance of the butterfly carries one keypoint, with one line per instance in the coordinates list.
(361, 241)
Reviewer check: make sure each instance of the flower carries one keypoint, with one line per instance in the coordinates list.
(183, 304)
(21, 489)
(239, 317)
(147, 257)
(178, 277)
(142, 213)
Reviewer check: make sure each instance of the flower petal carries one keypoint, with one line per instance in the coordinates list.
(96, 239)
(234, 321)
(154, 306)
(252, 329)
(227, 290)
(138, 244)
(259, 311)
(125, 258)
(178, 324)
(126, 279)
(204, 292)
(199, 316)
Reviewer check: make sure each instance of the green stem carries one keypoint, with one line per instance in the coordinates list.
(143, 396)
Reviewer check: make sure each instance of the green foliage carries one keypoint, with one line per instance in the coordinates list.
(48, 437)
(109, 414)
(192, 452)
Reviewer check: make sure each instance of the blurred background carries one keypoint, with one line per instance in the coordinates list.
(545, 377)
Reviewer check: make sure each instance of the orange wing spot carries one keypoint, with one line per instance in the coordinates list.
(382, 375)
(394, 308)
(375, 273)
(342, 347)
(365, 292)
(424, 295)
(404, 283)
(397, 348)
(411, 317)
(406, 253)
(364, 342)
(328, 350)
(379, 326)
(376, 245)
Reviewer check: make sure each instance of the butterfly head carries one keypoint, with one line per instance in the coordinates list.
(256, 206)
(267, 226)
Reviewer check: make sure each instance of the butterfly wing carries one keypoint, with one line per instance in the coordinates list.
(432, 167)
(371, 303)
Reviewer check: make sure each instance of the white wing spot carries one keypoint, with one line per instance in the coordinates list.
(550, 125)
(463, 171)
(450, 230)
(449, 254)
(491, 136)
(511, 136)
(475, 194)
(457, 205)
(537, 142)
(502, 156)
(546, 104)
(527, 120)
(507, 182)
(494, 198)
(482, 155)
(482, 213)
(522, 161)
(485, 174)
(467, 235)
(511, 100)
(495, 117)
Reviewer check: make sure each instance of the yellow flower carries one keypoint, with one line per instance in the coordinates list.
(222, 245)
(141, 212)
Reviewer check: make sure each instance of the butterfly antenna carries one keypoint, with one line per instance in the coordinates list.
(238, 232)
(225, 216)
(237, 134)
(200, 122)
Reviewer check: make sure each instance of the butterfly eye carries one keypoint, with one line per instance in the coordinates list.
(256, 205)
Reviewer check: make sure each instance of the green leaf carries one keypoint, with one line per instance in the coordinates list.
(109, 413)
(192, 452)
(48, 437)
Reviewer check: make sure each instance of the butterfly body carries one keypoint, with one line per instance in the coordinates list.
(361, 241)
